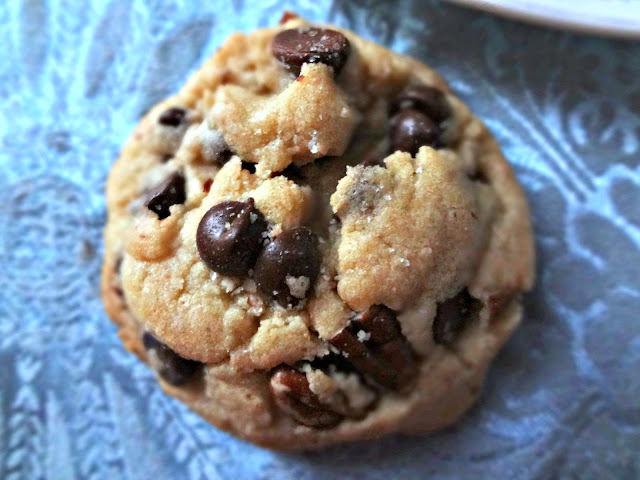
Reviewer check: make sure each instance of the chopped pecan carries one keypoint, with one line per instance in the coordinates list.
(375, 346)
(291, 392)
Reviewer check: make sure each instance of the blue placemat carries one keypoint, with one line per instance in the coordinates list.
(75, 76)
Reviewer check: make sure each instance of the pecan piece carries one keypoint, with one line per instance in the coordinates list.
(291, 392)
(375, 346)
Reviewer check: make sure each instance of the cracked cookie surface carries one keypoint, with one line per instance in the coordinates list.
(315, 241)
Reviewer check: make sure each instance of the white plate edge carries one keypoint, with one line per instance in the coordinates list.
(544, 15)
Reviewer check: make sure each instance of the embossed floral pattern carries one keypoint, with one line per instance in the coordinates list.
(562, 398)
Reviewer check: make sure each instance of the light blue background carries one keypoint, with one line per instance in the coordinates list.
(561, 400)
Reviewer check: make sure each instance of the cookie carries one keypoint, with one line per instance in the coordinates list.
(315, 242)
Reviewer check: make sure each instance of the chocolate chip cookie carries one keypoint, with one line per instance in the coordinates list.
(315, 241)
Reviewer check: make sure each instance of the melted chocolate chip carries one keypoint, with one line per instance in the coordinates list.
(297, 46)
(287, 268)
(425, 99)
(229, 237)
(291, 392)
(173, 368)
(375, 346)
(453, 316)
(410, 130)
(172, 117)
(170, 192)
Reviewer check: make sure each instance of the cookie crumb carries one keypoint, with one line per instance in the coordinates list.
(363, 336)
(298, 286)
(313, 143)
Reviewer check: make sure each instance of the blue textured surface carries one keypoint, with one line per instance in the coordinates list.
(75, 76)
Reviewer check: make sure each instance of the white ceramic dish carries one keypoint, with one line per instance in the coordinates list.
(619, 18)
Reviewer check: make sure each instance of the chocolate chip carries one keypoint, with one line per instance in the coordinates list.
(297, 46)
(292, 173)
(229, 237)
(287, 268)
(117, 287)
(206, 186)
(410, 130)
(375, 346)
(173, 368)
(118, 264)
(249, 167)
(172, 117)
(373, 158)
(453, 316)
(478, 176)
(291, 392)
(215, 149)
(373, 162)
(425, 99)
(170, 192)
(222, 157)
